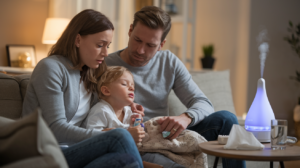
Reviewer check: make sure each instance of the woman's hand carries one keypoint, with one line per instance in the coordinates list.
(136, 108)
(137, 133)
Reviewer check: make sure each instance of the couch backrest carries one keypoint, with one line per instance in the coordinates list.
(214, 84)
(12, 93)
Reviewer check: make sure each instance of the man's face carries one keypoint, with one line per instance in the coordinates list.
(143, 44)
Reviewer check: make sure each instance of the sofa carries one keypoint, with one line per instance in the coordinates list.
(215, 84)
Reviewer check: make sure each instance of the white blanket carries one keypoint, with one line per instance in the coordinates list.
(183, 150)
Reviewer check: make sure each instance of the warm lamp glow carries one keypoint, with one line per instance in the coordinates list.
(53, 29)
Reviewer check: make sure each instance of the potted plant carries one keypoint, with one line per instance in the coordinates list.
(293, 40)
(208, 60)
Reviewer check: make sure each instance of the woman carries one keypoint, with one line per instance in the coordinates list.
(63, 85)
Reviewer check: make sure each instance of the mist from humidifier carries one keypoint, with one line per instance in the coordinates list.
(263, 49)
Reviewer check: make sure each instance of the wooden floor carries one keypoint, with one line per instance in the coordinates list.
(293, 164)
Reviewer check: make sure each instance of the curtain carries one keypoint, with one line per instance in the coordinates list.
(120, 13)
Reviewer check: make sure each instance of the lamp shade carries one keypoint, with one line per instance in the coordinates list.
(53, 29)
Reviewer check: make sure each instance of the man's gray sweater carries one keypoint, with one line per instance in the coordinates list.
(154, 81)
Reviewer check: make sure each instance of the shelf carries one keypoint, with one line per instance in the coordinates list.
(16, 70)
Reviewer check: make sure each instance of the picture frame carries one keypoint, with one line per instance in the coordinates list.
(22, 56)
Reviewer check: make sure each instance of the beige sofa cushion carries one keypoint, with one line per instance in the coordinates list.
(29, 139)
(215, 85)
(23, 82)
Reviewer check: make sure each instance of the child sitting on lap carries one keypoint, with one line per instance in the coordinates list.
(116, 92)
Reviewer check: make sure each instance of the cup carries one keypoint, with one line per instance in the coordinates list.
(279, 138)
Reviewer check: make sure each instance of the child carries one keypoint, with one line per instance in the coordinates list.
(116, 92)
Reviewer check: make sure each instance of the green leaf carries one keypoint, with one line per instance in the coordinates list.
(208, 50)
(291, 23)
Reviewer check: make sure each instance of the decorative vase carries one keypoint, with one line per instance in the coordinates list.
(24, 60)
(207, 62)
(297, 119)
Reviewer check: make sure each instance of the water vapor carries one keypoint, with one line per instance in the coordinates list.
(263, 48)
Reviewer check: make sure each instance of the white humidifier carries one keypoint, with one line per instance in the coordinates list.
(260, 114)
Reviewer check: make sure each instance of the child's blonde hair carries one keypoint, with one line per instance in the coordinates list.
(110, 75)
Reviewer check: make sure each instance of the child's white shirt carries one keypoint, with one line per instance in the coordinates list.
(102, 116)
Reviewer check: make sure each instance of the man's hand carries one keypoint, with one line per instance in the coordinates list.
(137, 133)
(174, 124)
(136, 108)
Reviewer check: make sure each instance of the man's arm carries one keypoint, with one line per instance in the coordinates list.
(191, 96)
(198, 105)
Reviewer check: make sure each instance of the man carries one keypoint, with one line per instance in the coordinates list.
(156, 72)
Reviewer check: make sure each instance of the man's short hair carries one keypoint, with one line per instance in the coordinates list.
(155, 18)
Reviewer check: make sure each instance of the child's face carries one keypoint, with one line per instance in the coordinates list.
(122, 90)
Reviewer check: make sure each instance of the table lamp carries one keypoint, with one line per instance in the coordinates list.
(260, 114)
(53, 29)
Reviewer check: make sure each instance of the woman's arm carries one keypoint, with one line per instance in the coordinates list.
(54, 89)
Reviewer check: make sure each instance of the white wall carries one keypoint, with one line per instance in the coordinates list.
(281, 61)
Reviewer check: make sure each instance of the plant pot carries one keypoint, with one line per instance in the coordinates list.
(207, 62)
(297, 119)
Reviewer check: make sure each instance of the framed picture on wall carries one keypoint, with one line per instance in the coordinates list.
(22, 56)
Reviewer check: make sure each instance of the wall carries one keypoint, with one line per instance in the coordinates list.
(281, 61)
(119, 12)
(226, 25)
(22, 22)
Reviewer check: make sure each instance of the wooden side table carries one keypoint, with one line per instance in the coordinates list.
(267, 154)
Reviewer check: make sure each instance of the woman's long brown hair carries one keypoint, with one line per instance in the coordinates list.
(86, 22)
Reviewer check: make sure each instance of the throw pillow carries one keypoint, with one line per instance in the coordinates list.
(29, 138)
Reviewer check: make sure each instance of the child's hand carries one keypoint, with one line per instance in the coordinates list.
(133, 117)
(137, 133)
(107, 129)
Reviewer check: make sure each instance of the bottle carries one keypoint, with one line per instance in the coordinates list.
(297, 119)
(137, 119)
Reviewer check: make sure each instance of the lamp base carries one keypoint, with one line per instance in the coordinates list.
(262, 136)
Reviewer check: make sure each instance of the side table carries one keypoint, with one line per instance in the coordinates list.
(267, 154)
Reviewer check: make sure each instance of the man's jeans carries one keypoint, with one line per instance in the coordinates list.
(115, 148)
(219, 123)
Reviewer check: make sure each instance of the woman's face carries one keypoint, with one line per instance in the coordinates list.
(93, 48)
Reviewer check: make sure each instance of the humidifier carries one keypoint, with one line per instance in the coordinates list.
(260, 114)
